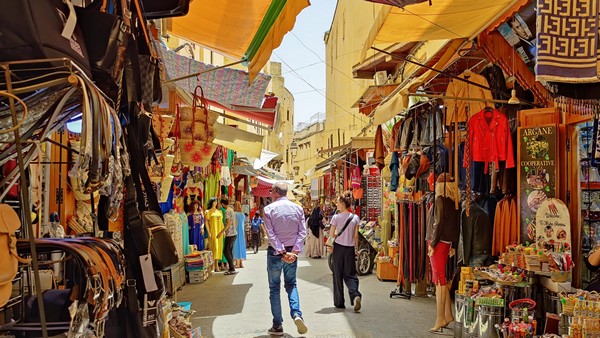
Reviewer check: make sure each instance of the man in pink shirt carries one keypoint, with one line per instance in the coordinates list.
(284, 224)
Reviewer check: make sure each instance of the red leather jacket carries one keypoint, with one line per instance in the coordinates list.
(489, 139)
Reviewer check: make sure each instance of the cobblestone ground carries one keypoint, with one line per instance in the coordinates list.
(238, 305)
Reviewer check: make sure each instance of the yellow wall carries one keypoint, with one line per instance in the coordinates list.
(343, 45)
(344, 42)
(279, 139)
(309, 140)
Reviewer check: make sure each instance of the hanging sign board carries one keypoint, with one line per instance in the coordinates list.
(553, 226)
(537, 174)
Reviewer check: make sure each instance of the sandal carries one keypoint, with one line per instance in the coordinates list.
(436, 331)
(230, 272)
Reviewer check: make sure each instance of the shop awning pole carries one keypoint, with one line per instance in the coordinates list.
(444, 97)
(431, 96)
(204, 72)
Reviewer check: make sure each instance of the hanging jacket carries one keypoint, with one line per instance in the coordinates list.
(477, 233)
(458, 88)
(394, 165)
(495, 78)
(406, 134)
(489, 141)
(427, 120)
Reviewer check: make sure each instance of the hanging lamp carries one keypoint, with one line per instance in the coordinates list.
(513, 93)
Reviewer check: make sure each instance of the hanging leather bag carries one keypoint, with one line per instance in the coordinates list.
(159, 9)
(144, 219)
(107, 35)
(42, 29)
(150, 65)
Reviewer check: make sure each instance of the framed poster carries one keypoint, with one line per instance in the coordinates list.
(537, 174)
(553, 226)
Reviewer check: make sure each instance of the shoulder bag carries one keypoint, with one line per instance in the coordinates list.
(331, 240)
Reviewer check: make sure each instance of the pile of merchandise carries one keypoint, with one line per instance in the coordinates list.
(372, 232)
(178, 316)
(198, 266)
(580, 315)
(524, 328)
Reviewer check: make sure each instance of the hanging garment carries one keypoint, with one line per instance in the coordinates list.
(239, 247)
(214, 222)
(476, 233)
(195, 226)
(173, 224)
(225, 176)
(495, 78)
(489, 139)
(461, 110)
(396, 131)
(406, 134)
(395, 175)
(380, 151)
(185, 234)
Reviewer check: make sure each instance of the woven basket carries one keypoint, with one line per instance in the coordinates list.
(185, 114)
(559, 276)
(175, 334)
(568, 303)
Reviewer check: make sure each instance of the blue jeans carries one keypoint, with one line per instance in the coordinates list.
(274, 268)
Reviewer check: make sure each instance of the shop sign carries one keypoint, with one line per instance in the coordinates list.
(537, 174)
(553, 226)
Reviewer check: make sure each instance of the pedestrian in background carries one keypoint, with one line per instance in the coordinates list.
(239, 247)
(314, 240)
(344, 228)
(255, 227)
(286, 230)
(230, 231)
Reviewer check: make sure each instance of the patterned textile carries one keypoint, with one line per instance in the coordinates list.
(225, 86)
(567, 40)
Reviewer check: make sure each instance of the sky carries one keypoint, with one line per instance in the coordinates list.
(302, 55)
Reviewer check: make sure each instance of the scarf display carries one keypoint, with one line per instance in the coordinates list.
(567, 41)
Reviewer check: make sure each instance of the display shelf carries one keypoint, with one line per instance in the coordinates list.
(590, 186)
(591, 219)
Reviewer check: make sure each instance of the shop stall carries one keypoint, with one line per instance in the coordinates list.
(110, 151)
(517, 132)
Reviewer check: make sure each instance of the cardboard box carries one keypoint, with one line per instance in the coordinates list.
(392, 251)
(387, 271)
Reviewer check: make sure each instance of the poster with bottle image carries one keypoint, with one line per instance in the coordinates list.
(537, 175)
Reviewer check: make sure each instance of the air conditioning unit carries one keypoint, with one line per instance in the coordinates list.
(380, 77)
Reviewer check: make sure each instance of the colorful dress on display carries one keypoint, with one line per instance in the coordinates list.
(173, 224)
(214, 221)
(239, 247)
(185, 239)
(196, 224)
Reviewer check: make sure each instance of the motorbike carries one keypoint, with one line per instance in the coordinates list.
(365, 258)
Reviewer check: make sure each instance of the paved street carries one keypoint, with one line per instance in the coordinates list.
(238, 306)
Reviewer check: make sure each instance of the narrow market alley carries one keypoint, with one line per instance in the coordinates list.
(238, 305)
